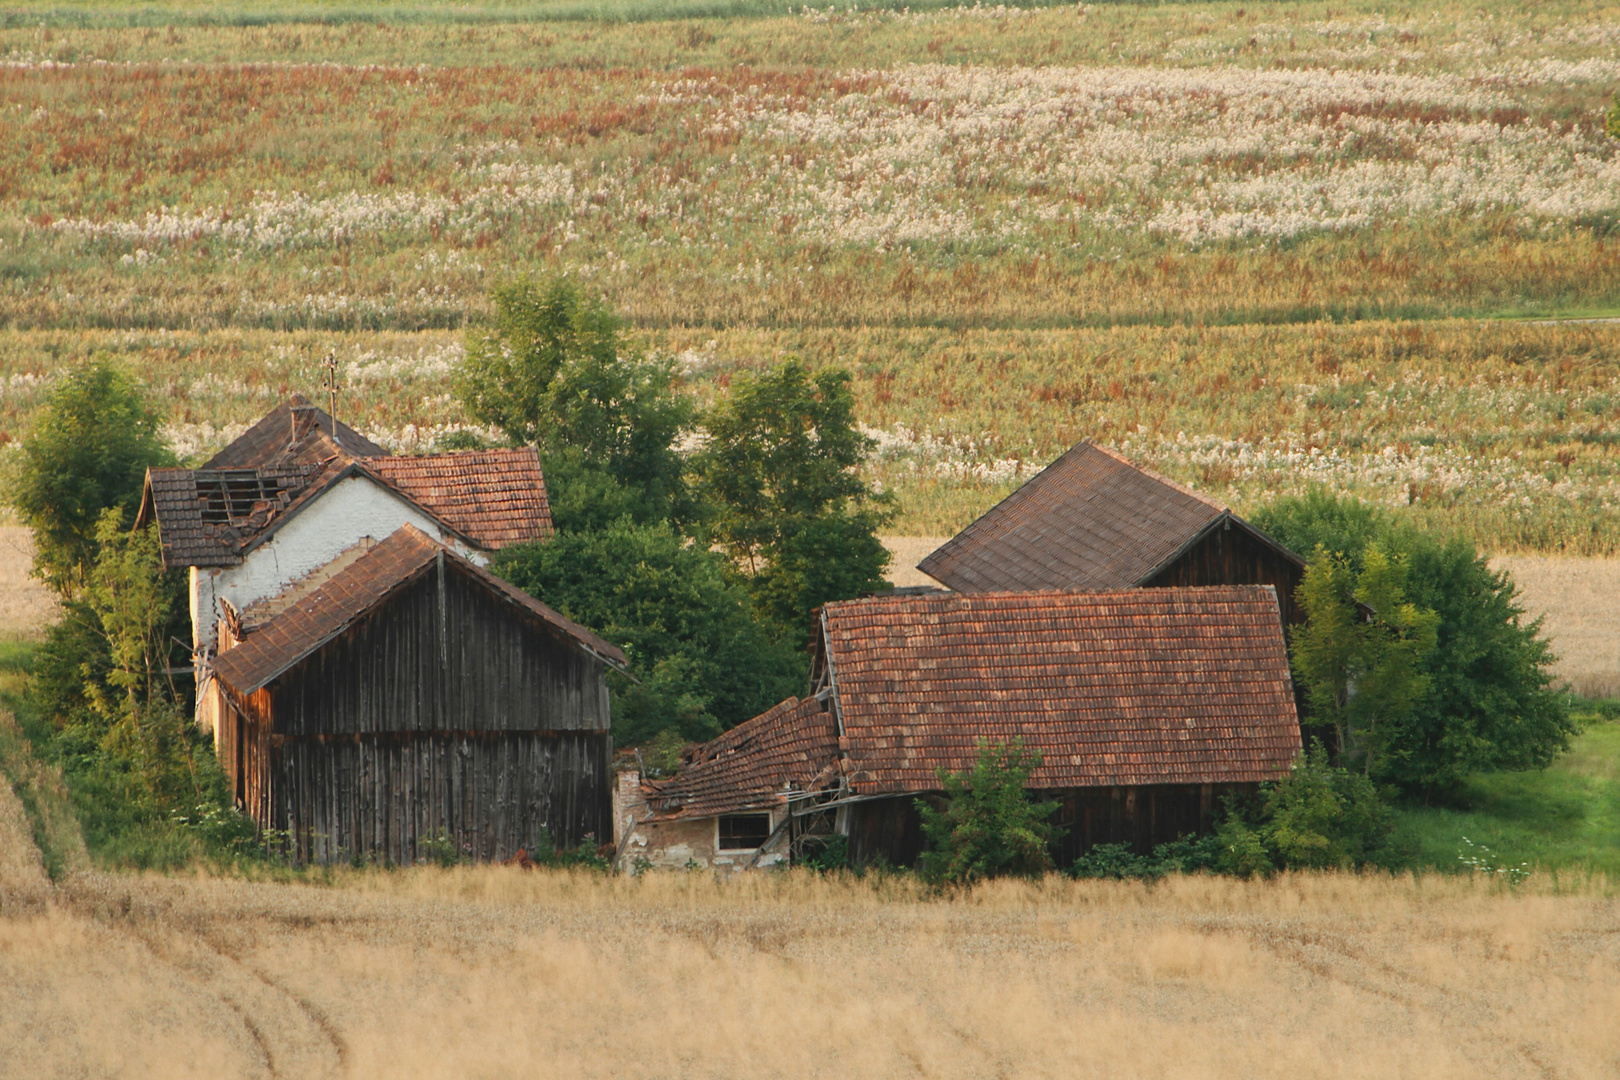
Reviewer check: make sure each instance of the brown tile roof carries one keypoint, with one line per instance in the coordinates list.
(205, 517)
(1089, 520)
(294, 431)
(213, 517)
(493, 497)
(1144, 686)
(326, 612)
(793, 747)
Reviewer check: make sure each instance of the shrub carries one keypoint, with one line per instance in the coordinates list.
(1319, 816)
(1190, 854)
(989, 827)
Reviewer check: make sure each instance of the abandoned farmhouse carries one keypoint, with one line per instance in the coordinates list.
(374, 690)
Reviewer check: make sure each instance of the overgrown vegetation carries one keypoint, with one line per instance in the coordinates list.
(989, 826)
(1448, 676)
(706, 581)
(102, 703)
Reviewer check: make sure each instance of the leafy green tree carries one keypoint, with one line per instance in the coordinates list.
(990, 827)
(145, 783)
(88, 450)
(1361, 652)
(553, 372)
(703, 661)
(1611, 122)
(786, 503)
(1488, 702)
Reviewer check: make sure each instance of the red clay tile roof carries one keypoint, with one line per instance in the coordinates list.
(272, 440)
(1144, 686)
(793, 747)
(1089, 520)
(493, 497)
(206, 516)
(328, 611)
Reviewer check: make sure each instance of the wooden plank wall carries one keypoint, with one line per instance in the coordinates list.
(1231, 556)
(443, 655)
(393, 796)
(444, 716)
(891, 829)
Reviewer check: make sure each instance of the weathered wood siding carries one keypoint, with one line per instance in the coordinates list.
(398, 797)
(445, 717)
(891, 829)
(443, 656)
(1232, 556)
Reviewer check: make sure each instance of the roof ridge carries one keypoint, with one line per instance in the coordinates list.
(1120, 457)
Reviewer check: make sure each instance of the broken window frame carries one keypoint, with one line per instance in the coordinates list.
(763, 834)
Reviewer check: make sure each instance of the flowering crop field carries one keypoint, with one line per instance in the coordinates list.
(1255, 247)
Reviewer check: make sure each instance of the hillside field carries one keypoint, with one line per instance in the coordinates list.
(1256, 246)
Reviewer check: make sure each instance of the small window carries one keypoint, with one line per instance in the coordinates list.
(744, 832)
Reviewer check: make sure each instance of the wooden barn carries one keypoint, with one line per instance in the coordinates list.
(1094, 520)
(1146, 705)
(411, 699)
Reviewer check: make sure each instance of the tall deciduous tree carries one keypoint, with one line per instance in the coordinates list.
(786, 503)
(702, 661)
(1362, 653)
(553, 372)
(1487, 700)
(88, 450)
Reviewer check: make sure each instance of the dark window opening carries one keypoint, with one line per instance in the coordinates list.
(744, 832)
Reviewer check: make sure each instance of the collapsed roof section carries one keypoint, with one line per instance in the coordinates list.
(489, 499)
(792, 749)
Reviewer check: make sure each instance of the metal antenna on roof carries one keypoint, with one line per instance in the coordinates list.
(332, 388)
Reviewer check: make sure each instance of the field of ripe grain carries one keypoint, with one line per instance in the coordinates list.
(495, 972)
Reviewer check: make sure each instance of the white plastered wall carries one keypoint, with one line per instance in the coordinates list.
(351, 510)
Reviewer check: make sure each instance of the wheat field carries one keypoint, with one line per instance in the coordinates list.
(497, 972)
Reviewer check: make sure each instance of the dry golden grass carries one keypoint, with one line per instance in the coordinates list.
(26, 606)
(1581, 601)
(496, 972)
(906, 552)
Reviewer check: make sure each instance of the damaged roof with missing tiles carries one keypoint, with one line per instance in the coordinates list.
(1144, 686)
(326, 611)
(494, 497)
(212, 517)
(296, 431)
(1089, 520)
(793, 747)
(205, 517)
